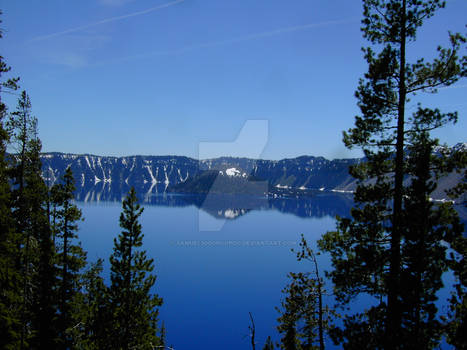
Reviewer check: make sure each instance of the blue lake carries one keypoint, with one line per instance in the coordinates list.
(211, 280)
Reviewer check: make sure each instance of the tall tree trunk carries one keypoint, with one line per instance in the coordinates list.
(394, 313)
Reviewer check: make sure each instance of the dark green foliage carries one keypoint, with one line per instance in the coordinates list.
(304, 319)
(71, 258)
(94, 327)
(10, 278)
(269, 345)
(456, 325)
(34, 246)
(44, 306)
(27, 306)
(46, 301)
(290, 316)
(423, 252)
(363, 330)
(21, 127)
(456, 321)
(163, 335)
(299, 321)
(134, 309)
(391, 248)
(44, 320)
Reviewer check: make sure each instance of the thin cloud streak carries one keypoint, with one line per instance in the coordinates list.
(107, 20)
(240, 39)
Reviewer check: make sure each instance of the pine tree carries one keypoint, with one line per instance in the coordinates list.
(393, 237)
(456, 325)
(26, 303)
(70, 256)
(163, 335)
(10, 278)
(304, 318)
(290, 316)
(456, 321)
(54, 201)
(269, 345)
(21, 125)
(134, 308)
(29, 203)
(92, 331)
(44, 307)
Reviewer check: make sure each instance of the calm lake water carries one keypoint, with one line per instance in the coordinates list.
(211, 280)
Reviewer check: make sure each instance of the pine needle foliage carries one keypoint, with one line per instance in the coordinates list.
(133, 306)
(394, 246)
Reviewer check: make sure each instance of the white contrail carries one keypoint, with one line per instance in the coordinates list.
(107, 20)
(241, 39)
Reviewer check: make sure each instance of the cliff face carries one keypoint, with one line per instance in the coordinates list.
(306, 172)
(134, 171)
(183, 174)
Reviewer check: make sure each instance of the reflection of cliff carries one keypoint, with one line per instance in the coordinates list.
(230, 207)
(222, 206)
(101, 191)
(320, 205)
(147, 193)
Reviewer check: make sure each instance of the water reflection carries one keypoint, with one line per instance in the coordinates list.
(228, 207)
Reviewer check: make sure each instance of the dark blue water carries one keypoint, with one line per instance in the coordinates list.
(211, 280)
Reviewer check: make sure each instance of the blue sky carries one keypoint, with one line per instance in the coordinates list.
(123, 77)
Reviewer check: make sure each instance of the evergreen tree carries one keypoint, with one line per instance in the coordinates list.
(44, 307)
(423, 255)
(10, 278)
(21, 127)
(10, 275)
(291, 315)
(71, 258)
(456, 325)
(26, 304)
(456, 322)
(54, 201)
(29, 203)
(134, 309)
(269, 345)
(391, 247)
(44, 320)
(304, 319)
(163, 336)
(92, 331)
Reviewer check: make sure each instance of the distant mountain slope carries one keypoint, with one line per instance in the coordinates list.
(133, 170)
(184, 174)
(306, 171)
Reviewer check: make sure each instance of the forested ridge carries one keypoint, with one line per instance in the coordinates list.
(395, 247)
